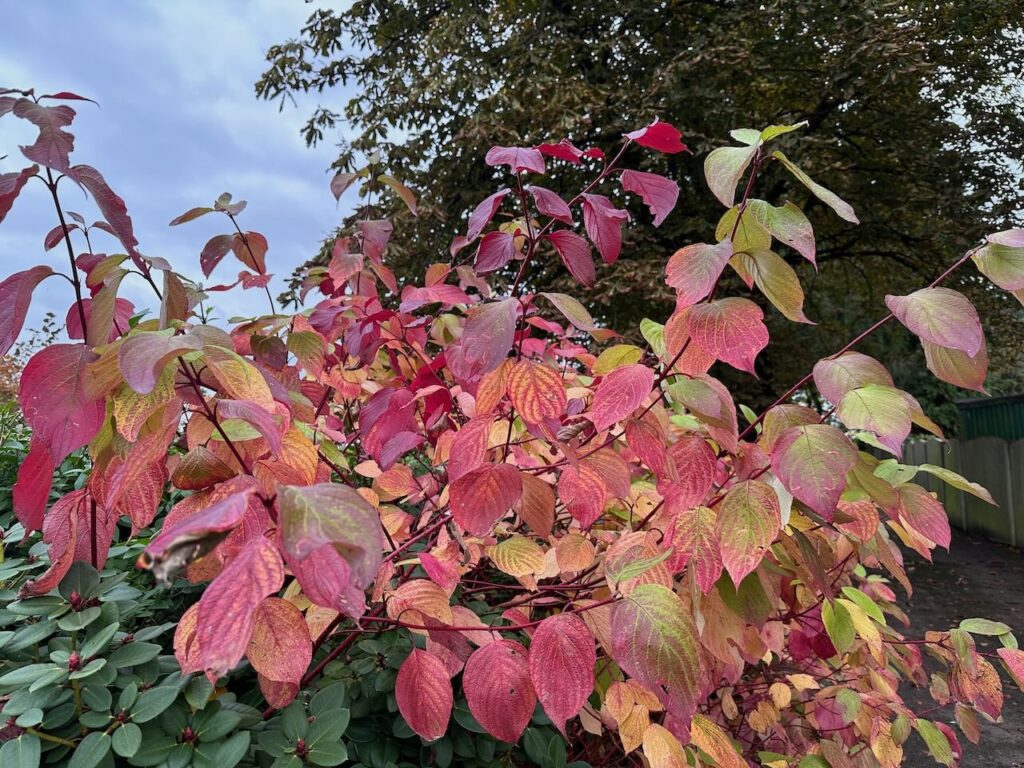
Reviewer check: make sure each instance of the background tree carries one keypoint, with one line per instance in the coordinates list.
(915, 114)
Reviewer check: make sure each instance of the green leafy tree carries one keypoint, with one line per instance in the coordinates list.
(914, 111)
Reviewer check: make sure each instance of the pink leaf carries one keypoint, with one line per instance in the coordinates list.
(924, 513)
(32, 489)
(516, 158)
(123, 311)
(550, 204)
(54, 144)
(11, 185)
(660, 136)
(480, 498)
(414, 297)
(226, 613)
(424, 694)
(563, 150)
(575, 254)
(658, 193)
(280, 649)
(498, 689)
(693, 535)
(562, 661)
(748, 522)
(582, 490)
(253, 414)
(731, 330)
(603, 222)
(212, 523)
(811, 461)
(942, 316)
(111, 206)
(142, 358)
(375, 234)
(496, 250)
(341, 182)
(56, 235)
(15, 297)
(54, 401)
(483, 213)
(216, 248)
(694, 270)
(486, 339)
(619, 394)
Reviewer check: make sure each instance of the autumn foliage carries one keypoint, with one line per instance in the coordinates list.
(554, 517)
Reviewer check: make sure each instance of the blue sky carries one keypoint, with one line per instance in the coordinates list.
(178, 124)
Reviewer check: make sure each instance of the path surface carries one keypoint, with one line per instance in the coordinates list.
(976, 578)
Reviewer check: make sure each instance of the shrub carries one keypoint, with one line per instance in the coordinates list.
(464, 481)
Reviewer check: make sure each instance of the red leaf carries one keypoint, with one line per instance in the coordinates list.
(227, 609)
(603, 222)
(375, 234)
(54, 144)
(123, 311)
(582, 490)
(923, 513)
(562, 659)
(15, 297)
(424, 694)
(469, 447)
(61, 529)
(811, 461)
(496, 250)
(482, 215)
(694, 270)
(563, 150)
(56, 235)
(516, 158)
(486, 339)
(693, 534)
(142, 358)
(658, 193)
(619, 394)
(342, 182)
(11, 185)
(65, 95)
(54, 402)
(480, 498)
(660, 136)
(575, 255)
(550, 204)
(730, 329)
(695, 472)
(498, 689)
(216, 248)
(32, 489)
(213, 523)
(280, 648)
(942, 316)
(112, 207)
(250, 248)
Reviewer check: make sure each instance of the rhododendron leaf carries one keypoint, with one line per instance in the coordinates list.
(483, 213)
(619, 394)
(785, 223)
(480, 498)
(54, 399)
(957, 367)
(843, 209)
(660, 136)
(498, 689)
(879, 409)
(332, 515)
(562, 659)
(835, 376)
(53, 145)
(575, 254)
(550, 204)
(423, 691)
(748, 522)
(711, 739)
(731, 330)
(15, 297)
(811, 461)
(537, 392)
(654, 640)
(658, 193)
(11, 185)
(280, 648)
(777, 281)
(142, 358)
(941, 316)
(723, 169)
(496, 250)
(516, 158)
(401, 190)
(694, 270)
(227, 609)
(603, 222)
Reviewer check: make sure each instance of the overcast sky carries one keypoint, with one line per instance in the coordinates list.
(178, 123)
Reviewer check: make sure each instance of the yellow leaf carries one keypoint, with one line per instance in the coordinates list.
(662, 749)
(712, 739)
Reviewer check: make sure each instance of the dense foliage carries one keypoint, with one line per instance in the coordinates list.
(491, 520)
(915, 112)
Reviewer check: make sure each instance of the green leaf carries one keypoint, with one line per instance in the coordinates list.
(950, 477)
(131, 654)
(22, 752)
(328, 754)
(984, 627)
(90, 751)
(772, 131)
(865, 603)
(785, 223)
(99, 640)
(724, 167)
(838, 625)
(843, 209)
(230, 752)
(152, 702)
(127, 739)
(25, 675)
(938, 744)
(777, 281)
(850, 704)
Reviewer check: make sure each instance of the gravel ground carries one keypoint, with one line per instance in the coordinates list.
(977, 578)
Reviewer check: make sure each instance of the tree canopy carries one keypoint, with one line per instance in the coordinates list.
(914, 113)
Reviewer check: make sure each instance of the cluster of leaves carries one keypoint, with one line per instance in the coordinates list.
(545, 520)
